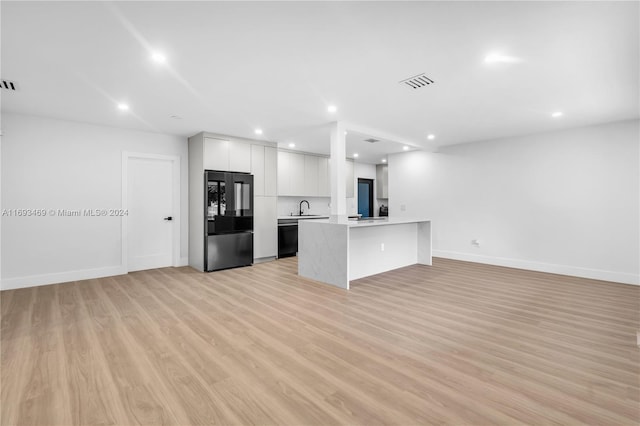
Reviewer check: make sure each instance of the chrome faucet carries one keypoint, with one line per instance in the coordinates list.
(308, 206)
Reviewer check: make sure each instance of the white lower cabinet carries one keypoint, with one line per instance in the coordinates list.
(265, 227)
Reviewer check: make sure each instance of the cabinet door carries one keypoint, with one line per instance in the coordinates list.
(382, 181)
(310, 176)
(284, 165)
(324, 181)
(240, 157)
(270, 171)
(257, 169)
(216, 154)
(349, 179)
(296, 174)
(265, 234)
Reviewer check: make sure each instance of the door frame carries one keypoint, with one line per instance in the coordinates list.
(371, 191)
(175, 230)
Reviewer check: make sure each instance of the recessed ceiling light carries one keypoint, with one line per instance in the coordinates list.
(406, 148)
(345, 133)
(123, 107)
(557, 114)
(258, 131)
(499, 58)
(332, 108)
(158, 57)
(431, 137)
(292, 145)
(384, 160)
(355, 155)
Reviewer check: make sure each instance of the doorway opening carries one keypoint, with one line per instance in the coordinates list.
(365, 197)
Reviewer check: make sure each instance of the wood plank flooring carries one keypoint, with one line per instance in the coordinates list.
(456, 343)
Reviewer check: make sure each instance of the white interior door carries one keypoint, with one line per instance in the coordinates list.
(150, 204)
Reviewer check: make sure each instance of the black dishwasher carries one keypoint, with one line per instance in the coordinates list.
(287, 237)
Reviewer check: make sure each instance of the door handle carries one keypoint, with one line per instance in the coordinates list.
(168, 218)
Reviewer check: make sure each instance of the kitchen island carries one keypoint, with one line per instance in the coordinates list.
(338, 250)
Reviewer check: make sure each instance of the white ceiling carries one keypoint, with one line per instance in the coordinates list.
(236, 66)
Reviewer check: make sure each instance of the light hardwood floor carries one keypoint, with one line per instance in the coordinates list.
(456, 343)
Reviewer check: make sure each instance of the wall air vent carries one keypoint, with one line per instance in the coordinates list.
(9, 85)
(418, 81)
(372, 140)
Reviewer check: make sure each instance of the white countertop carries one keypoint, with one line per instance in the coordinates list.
(341, 220)
(304, 217)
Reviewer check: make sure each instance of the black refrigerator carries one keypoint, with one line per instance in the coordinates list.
(229, 220)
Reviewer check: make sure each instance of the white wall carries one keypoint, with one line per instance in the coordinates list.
(54, 164)
(564, 202)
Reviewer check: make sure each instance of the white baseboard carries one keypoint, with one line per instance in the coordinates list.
(85, 274)
(264, 259)
(575, 271)
(60, 277)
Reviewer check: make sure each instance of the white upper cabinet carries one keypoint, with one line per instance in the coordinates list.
(258, 169)
(349, 179)
(311, 175)
(264, 166)
(270, 171)
(216, 154)
(290, 174)
(296, 174)
(225, 155)
(284, 165)
(382, 178)
(324, 180)
(239, 157)
(301, 175)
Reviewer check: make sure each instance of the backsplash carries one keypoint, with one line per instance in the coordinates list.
(319, 205)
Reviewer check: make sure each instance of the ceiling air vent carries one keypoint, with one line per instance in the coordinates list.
(9, 85)
(418, 81)
(372, 140)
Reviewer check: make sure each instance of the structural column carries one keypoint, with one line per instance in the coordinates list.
(338, 170)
